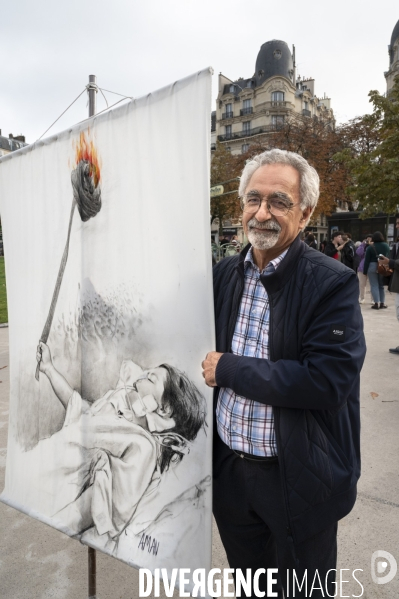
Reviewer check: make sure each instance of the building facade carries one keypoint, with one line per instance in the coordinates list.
(247, 110)
(11, 143)
(393, 51)
(350, 222)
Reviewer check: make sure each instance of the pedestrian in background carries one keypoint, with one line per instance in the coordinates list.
(360, 255)
(234, 241)
(332, 246)
(311, 242)
(393, 263)
(378, 246)
(347, 250)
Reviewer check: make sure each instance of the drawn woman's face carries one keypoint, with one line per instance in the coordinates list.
(152, 382)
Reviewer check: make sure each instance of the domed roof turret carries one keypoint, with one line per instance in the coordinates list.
(274, 58)
(394, 37)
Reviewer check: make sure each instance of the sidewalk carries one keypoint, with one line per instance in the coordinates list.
(37, 562)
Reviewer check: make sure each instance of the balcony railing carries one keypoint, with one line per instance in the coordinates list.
(248, 110)
(250, 132)
(278, 104)
(227, 115)
(306, 112)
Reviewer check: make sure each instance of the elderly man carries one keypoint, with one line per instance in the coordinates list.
(290, 347)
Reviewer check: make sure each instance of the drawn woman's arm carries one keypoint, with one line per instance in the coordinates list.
(60, 386)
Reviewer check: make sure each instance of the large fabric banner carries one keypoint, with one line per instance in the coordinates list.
(108, 264)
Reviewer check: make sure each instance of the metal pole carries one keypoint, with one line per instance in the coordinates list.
(92, 573)
(92, 89)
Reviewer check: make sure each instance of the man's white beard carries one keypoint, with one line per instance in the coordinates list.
(260, 241)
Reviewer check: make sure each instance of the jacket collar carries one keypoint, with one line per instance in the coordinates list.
(275, 281)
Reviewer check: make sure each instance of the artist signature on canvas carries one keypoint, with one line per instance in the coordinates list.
(149, 543)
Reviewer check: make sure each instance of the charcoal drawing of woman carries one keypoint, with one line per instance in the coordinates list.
(111, 452)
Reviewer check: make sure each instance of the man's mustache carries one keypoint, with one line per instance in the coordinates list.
(269, 225)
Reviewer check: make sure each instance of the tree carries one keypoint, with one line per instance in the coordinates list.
(224, 168)
(317, 141)
(374, 161)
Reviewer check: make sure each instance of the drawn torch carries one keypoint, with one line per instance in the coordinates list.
(85, 180)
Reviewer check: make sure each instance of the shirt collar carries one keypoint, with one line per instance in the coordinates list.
(271, 267)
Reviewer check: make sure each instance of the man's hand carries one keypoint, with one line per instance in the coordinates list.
(384, 261)
(209, 367)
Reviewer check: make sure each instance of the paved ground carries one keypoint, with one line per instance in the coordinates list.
(37, 562)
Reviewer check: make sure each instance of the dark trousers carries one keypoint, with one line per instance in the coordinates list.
(249, 509)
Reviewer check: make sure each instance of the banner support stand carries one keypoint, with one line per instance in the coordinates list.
(92, 573)
(92, 89)
(92, 578)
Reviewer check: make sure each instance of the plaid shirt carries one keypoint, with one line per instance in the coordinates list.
(244, 424)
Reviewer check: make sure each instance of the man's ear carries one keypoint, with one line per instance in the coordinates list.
(306, 214)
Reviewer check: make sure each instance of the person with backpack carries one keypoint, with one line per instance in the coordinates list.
(377, 247)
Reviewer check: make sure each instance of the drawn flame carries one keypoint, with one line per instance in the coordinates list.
(85, 150)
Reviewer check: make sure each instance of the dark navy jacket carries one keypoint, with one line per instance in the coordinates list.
(317, 349)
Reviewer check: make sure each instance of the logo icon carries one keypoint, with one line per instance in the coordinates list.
(380, 560)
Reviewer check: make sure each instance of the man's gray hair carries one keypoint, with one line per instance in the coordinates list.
(309, 179)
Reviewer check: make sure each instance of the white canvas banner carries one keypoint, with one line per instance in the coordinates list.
(108, 265)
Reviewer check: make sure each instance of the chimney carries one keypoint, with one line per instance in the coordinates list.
(20, 138)
(10, 136)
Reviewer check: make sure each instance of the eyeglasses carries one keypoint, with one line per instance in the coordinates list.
(277, 206)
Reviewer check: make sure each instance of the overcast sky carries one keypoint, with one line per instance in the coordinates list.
(50, 47)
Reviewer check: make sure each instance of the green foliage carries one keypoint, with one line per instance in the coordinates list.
(372, 155)
(3, 293)
(224, 168)
(317, 140)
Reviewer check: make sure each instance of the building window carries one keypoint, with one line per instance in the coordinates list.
(232, 89)
(277, 120)
(247, 108)
(306, 105)
(246, 127)
(244, 148)
(229, 110)
(228, 131)
(277, 96)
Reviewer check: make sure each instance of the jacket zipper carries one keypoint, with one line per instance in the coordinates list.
(276, 412)
(235, 309)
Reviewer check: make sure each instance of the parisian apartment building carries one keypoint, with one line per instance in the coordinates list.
(248, 109)
(393, 51)
(11, 143)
